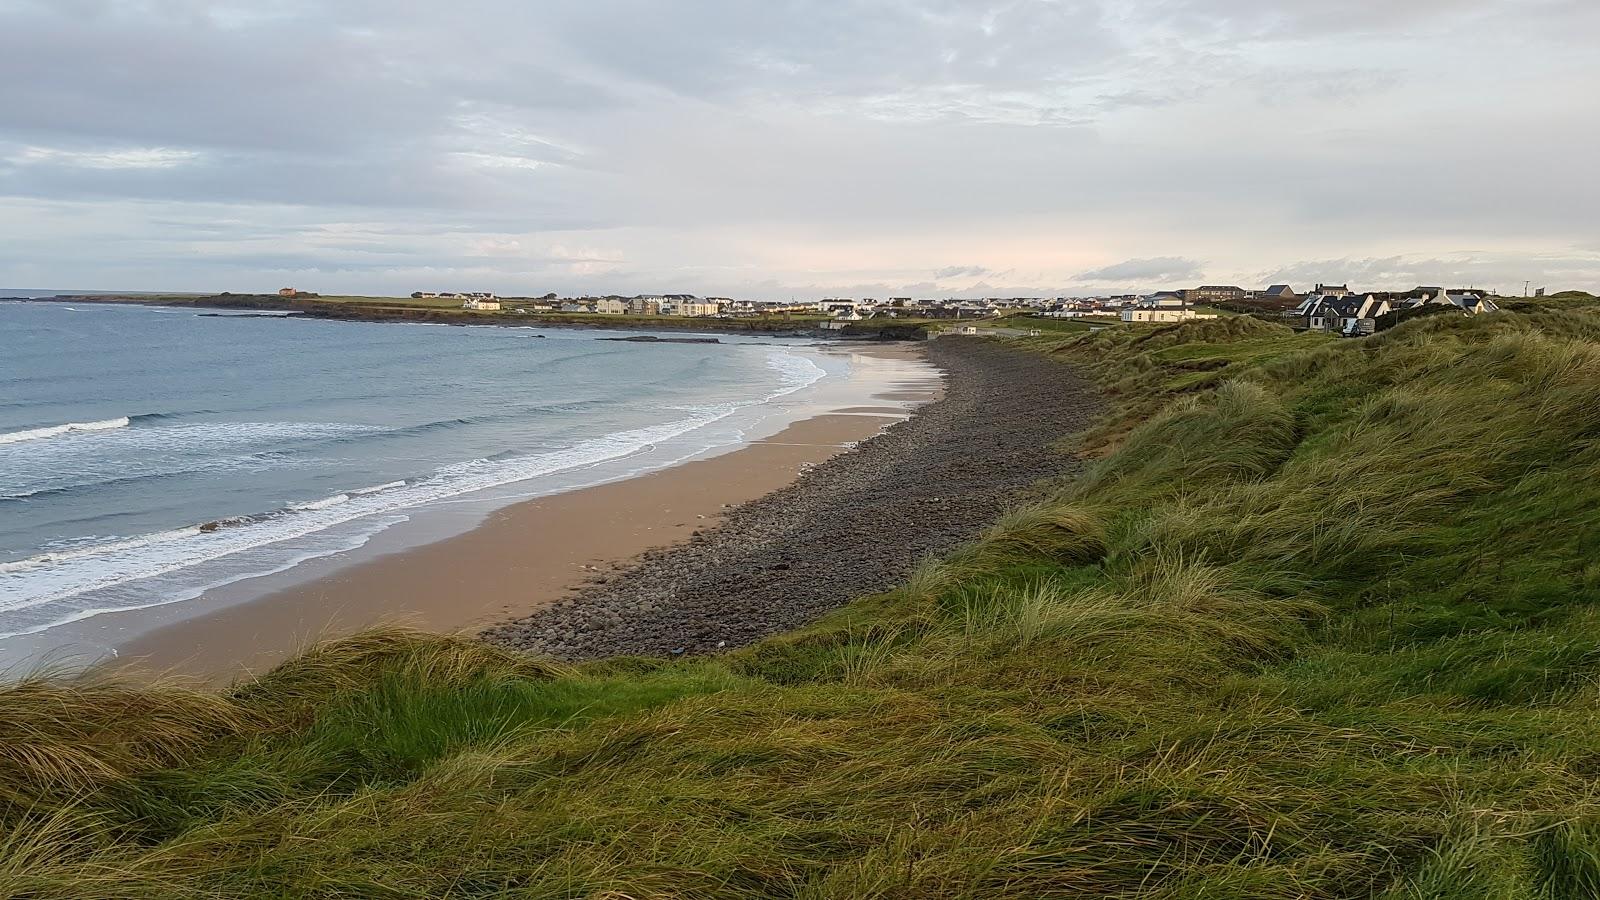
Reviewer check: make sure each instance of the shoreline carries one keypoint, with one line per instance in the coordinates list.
(523, 556)
(346, 311)
(855, 525)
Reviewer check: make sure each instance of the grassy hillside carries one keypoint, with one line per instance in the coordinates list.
(1324, 621)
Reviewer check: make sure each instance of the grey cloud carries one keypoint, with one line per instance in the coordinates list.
(1155, 269)
(1501, 271)
(959, 271)
(713, 136)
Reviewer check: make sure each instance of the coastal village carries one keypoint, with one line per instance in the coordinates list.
(1333, 308)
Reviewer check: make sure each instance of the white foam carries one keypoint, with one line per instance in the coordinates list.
(142, 452)
(52, 589)
(324, 503)
(118, 546)
(39, 434)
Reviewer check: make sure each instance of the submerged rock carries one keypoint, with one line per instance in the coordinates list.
(653, 339)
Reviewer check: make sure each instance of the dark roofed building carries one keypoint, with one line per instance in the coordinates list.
(1212, 293)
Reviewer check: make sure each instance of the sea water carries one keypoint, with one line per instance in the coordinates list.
(149, 454)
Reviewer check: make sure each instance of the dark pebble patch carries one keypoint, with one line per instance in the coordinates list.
(854, 525)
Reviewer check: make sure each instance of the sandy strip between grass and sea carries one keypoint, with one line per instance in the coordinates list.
(526, 556)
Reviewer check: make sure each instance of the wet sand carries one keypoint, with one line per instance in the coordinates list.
(523, 558)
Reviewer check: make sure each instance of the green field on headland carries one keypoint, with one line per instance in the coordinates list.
(1323, 620)
(446, 311)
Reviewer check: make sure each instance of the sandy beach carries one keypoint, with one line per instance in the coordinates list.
(704, 556)
(524, 557)
(854, 525)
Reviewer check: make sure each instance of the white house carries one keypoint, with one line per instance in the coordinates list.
(1143, 314)
(1468, 302)
(1162, 307)
(611, 306)
(1163, 300)
(697, 308)
(482, 304)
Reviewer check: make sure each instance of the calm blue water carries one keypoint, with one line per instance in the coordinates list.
(148, 454)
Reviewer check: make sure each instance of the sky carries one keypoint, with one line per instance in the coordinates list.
(782, 148)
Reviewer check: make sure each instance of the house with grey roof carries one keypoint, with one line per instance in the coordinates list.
(1352, 315)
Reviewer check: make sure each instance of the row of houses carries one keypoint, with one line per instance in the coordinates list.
(1336, 308)
(652, 305)
(851, 310)
(841, 309)
(1326, 307)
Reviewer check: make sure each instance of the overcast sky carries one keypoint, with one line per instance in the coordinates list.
(769, 148)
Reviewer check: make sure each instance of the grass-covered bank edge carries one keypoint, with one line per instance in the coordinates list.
(1320, 623)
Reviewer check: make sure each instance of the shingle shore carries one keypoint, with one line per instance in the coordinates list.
(853, 525)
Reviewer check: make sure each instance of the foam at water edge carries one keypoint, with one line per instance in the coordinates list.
(43, 583)
(353, 543)
(50, 578)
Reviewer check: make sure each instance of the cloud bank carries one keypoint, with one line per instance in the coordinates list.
(771, 150)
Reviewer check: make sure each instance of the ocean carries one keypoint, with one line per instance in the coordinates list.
(150, 454)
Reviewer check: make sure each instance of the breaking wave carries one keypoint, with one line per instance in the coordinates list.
(39, 434)
(54, 588)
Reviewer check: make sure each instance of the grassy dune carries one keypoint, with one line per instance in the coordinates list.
(1324, 621)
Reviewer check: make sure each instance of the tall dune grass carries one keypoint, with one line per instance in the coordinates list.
(1324, 621)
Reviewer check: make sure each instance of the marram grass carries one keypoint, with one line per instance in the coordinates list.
(1324, 621)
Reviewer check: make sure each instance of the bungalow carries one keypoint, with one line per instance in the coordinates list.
(481, 304)
(1352, 315)
(1157, 308)
(1163, 300)
(1144, 314)
(1280, 292)
(1469, 302)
